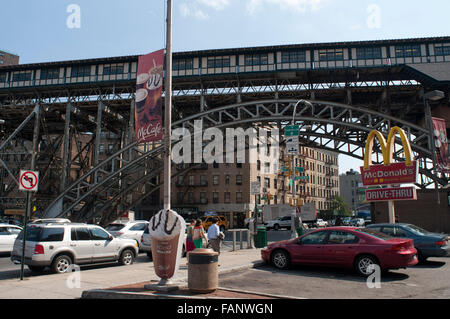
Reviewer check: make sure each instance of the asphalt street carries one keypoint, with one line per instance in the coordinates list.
(425, 281)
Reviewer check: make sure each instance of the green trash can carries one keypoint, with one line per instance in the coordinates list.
(260, 237)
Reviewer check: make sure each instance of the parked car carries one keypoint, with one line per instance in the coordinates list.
(348, 247)
(8, 234)
(221, 222)
(59, 245)
(428, 244)
(281, 222)
(146, 244)
(131, 230)
(357, 222)
(346, 221)
(321, 223)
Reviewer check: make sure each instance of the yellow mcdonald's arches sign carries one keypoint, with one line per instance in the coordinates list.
(387, 148)
(388, 173)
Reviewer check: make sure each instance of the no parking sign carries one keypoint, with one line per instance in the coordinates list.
(29, 181)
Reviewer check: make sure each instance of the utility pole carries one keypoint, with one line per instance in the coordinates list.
(168, 110)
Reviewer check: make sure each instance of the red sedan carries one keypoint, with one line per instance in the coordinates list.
(348, 247)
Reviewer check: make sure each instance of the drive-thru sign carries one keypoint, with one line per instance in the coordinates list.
(29, 181)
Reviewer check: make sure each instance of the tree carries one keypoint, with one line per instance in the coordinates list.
(340, 206)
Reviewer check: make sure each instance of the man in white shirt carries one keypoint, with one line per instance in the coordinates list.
(213, 235)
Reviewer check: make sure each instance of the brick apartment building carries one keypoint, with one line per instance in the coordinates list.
(7, 58)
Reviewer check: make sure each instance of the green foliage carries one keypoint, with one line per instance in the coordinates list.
(340, 207)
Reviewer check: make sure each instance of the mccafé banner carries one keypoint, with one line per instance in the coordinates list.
(389, 173)
(441, 143)
(149, 86)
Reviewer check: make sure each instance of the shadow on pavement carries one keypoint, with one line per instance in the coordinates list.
(430, 264)
(333, 273)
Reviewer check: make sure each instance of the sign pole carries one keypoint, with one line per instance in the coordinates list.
(168, 110)
(24, 240)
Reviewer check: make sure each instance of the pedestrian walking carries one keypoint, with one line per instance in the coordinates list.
(189, 237)
(199, 234)
(214, 236)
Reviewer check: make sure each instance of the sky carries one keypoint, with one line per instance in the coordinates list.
(57, 30)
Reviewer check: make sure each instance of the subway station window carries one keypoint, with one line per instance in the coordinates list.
(183, 64)
(113, 69)
(368, 53)
(407, 51)
(331, 55)
(80, 71)
(256, 59)
(293, 57)
(218, 62)
(50, 74)
(22, 76)
(441, 49)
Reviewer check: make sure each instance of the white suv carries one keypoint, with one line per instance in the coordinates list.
(59, 245)
(281, 222)
(132, 230)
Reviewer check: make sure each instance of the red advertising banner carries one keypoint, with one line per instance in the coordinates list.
(149, 86)
(441, 143)
(396, 173)
(388, 194)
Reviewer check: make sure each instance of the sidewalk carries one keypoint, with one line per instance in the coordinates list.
(57, 286)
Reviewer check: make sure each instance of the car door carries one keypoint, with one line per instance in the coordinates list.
(81, 243)
(310, 248)
(104, 247)
(6, 240)
(341, 247)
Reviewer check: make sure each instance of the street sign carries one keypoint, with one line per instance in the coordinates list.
(300, 169)
(291, 130)
(391, 194)
(292, 145)
(256, 186)
(300, 178)
(29, 181)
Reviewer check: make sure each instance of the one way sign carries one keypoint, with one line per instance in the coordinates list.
(29, 181)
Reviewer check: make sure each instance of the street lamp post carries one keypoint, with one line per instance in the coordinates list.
(433, 96)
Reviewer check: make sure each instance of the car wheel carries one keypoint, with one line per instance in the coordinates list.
(149, 255)
(276, 227)
(280, 259)
(363, 264)
(36, 268)
(127, 257)
(61, 264)
(421, 258)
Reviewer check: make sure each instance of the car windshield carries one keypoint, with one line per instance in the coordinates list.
(115, 227)
(374, 233)
(417, 230)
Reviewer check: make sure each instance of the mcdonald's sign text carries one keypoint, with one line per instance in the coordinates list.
(395, 173)
(387, 194)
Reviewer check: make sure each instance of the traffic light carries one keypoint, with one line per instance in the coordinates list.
(269, 196)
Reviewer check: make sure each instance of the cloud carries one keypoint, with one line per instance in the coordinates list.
(197, 8)
(296, 5)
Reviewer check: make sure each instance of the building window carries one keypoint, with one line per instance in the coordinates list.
(180, 180)
(331, 55)
(216, 165)
(442, 50)
(256, 59)
(203, 181)
(203, 199)
(22, 76)
(258, 165)
(238, 179)
(368, 53)
(50, 74)
(267, 182)
(216, 179)
(191, 198)
(2, 77)
(293, 57)
(113, 69)
(218, 62)
(183, 64)
(407, 51)
(227, 198)
(191, 179)
(80, 71)
(180, 198)
(238, 165)
(239, 197)
(101, 148)
(215, 198)
(227, 179)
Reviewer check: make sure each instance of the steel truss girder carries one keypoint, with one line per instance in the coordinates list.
(338, 124)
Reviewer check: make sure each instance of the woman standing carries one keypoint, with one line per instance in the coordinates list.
(199, 234)
(189, 238)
